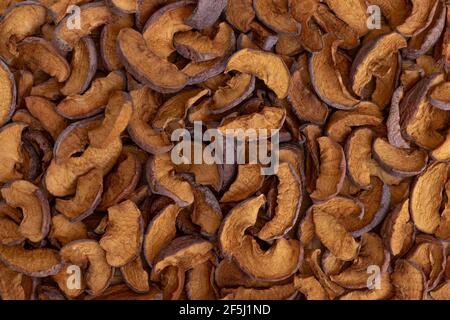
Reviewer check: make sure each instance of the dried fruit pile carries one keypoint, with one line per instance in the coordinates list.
(92, 206)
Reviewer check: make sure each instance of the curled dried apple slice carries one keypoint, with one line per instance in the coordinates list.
(240, 14)
(276, 16)
(90, 257)
(162, 180)
(35, 208)
(40, 263)
(145, 105)
(235, 91)
(440, 96)
(38, 54)
(160, 29)
(395, 11)
(122, 6)
(353, 12)
(83, 67)
(373, 60)
(401, 162)
(91, 16)
(342, 121)
(310, 287)
(289, 200)
(124, 233)
(247, 182)
(87, 197)
(206, 211)
(184, 253)
(305, 103)
(420, 18)
(197, 47)
(264, 65)
(8, 93)
(135, 276)
(206, 13)
(63, 231)
(360, 164)
(408, 281)
(14, 285)
(10, 151)
(426, 197)
(200, 282)
(284, 254)
(108, 41)
(385, 291)
(9, 232)
(394, 131)
(94, 99)
(145, 66)
(332, 170)
(122, 181)
(326, 80)
(13, 28)
(44, 111)
(160, 232)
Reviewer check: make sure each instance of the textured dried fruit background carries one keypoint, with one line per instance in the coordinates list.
(92, 207)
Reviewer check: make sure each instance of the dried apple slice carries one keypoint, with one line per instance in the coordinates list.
(9, 232)
(197, 47)
(385, 291)
(441, 292)
(304, 102)
(145, 105)
(371, 254)
(340, 242)
(276, 16)
(9, 93)
(234, 92)
(289, 200)
(394, 131)
(124, 233)
(426, 197)
(93, 100)
(88, 255)
(35, 208)
(310, 287)
(145, 66)
(63, 231)
(44, 110)
(160, 29)
(87, 197)
(91, 16)
(122, 7)
(172, 281)
(247, 182)
(162, 180)
(360, 164)
(423, 130)
(269, 118)
(206, 13)
(38, 54)
(184, 253)
(14, 285)
(117, 115)
(395, 11)
(341, 122)
(440, 96)
(160, 232)
(108, 41)
(326, 80)
(401, 162)
(332, 170)
(122, 181)
(40, 263)
(373, 60)
(353, 12)
(10, 152)
(175, 109)
(200, 282)
(408, 281)
(277, 263)
(50, 89)
(135, 276)
(264, 65)
(83, 67)
(240, 14)
(420, 18)
(12, 28)
(206, 211)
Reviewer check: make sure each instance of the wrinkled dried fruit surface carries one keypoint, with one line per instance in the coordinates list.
(224, 149)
